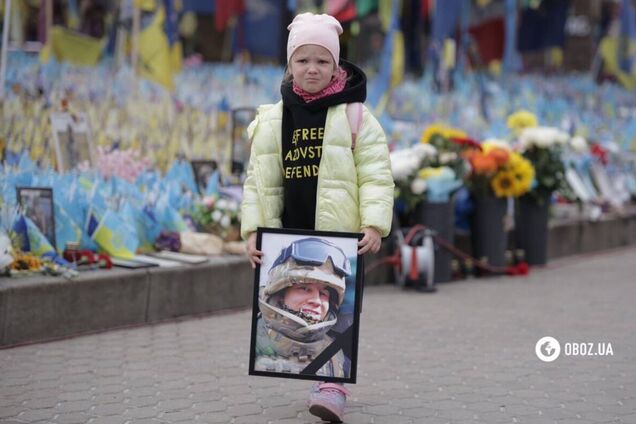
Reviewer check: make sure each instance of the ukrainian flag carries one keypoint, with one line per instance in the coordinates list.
(116, 237)
(70, 46)
(155, 59)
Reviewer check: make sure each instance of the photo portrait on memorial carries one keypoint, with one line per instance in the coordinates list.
(38, 206)
(203, 170)
(241, 118)
(306, 306)
(72, 140)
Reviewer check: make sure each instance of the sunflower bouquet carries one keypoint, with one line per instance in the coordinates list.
(495, 170)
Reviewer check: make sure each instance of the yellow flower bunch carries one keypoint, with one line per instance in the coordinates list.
(515, 179)
(430, 171)
(442, 130)
(520, 120)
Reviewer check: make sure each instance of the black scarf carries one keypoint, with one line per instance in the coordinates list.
(303, 129)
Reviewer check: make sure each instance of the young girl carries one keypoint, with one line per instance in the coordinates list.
(304, 170)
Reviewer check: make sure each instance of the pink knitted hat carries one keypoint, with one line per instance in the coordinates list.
(322, 30)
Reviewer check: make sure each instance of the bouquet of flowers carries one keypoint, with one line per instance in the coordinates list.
(450, 143)
(433, 184)
(543, 147)
(497, 170)
(433, 169)
(219, 216)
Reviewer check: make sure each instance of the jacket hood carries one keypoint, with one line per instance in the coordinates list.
(354, 91)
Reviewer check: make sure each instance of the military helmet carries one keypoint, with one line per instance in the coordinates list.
(310, 259)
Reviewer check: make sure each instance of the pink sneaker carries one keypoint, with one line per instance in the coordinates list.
(327, 401)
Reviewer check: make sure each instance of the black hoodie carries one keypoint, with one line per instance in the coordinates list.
(303, 131)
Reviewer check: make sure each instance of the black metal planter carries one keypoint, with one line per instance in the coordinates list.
(531, 229)
(439, 217)
(488, 234)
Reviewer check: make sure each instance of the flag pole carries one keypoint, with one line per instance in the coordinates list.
(119, 37)
(135, 35)
(5, 46)
(49, 19)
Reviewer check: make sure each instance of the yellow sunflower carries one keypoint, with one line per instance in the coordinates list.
(524, 174)
(504, 184)
(430, 131)
(443, 130)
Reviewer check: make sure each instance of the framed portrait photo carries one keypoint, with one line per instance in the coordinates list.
(39, 207)
(202, 170)
(306, 306)
(241, 145)
(72, 140)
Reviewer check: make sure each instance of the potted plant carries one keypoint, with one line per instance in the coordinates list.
(543, 147)
(496, 173)
(425, 190)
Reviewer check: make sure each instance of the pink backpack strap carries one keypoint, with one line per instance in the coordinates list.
(354, 116)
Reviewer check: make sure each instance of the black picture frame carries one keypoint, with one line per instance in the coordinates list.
(241, 144)
(39, 207)
(337, 349)
(202, 170)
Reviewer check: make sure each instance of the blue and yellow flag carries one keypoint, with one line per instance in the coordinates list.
(31, 238)
(65, 228)
(70, 46)
(116, 237)
(155, 60)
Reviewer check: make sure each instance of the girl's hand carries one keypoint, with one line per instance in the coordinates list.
(371, 241)
(250, 250)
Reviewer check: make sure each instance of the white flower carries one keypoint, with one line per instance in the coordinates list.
(446, 157)
(543, 137)
(423, 150)
(208, 201)
(402, 164)
(406, 161)
(561, 137)
(579, 144)
(418, 186)
(222, 204)
(217, 215)
(233, 206)
(498, 143)
(612, 147)
(225, 221)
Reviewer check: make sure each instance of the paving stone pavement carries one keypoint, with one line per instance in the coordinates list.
(463, 355)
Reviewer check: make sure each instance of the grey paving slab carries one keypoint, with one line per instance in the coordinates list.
(465, 354)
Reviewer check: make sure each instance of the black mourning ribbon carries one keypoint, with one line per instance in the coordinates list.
(329, 352)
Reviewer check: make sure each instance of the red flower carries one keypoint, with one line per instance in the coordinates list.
(521, 268)
(600, 152)
(465, 141)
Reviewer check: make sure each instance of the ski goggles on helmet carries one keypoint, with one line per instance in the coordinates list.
(315, 251)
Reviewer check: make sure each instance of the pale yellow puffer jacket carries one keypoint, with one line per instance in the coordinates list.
(355, 188)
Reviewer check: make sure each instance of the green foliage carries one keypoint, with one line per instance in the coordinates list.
(549, 170)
